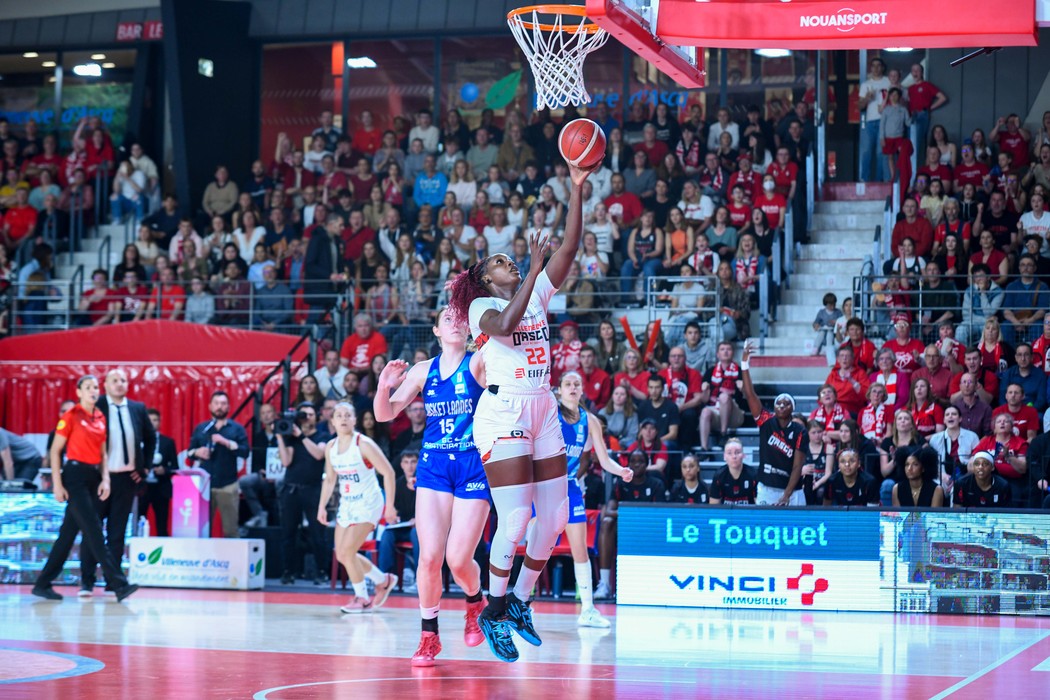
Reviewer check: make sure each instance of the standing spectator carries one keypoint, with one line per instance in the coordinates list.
(266, 472)
(824, 325)
(163, 463)
(217, 444)
(872, 97)
(923, 98)
(893, 138)
(362, 345)
(1012, 138)
(131, 441)
(326, 273)
(303, 455)
(720, 395)
(83, 481)
(425, 131)
(327, 131)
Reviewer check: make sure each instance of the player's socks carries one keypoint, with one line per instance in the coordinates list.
(498, 585)
(475, 597)
(526, 582)
(583, 584)
(430, 618)
(360, 589)
(375, 575)
(604, 575)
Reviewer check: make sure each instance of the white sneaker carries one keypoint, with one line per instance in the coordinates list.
(592, 618)
(602, 591)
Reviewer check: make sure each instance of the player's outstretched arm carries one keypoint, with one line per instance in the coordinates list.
(604, 460)
(754, 404)
(558, 267)
(397, 387)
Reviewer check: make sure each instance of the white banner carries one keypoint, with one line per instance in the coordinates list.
(179, 562)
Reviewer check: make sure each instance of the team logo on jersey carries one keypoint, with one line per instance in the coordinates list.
(61, 425)
(519, 373)
(475, 486)
(431, 392)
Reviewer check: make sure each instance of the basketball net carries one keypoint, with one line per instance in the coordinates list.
(556, 52)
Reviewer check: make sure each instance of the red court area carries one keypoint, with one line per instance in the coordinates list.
(276, 646)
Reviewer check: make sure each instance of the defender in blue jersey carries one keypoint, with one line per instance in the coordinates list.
(452, 493)
(582, 433)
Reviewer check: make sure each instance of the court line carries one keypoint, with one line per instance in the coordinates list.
(988, 669)
(84, 665)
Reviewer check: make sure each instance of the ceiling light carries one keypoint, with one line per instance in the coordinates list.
(48, 64)
(52, 79)
(773, 53)
(98, 56)
(900, 49)
(360, 62)
(30, 54)
(88, 70)
(109, 65)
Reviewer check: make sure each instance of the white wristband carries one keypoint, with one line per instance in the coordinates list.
(745, 366)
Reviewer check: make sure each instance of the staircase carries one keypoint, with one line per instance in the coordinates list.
(88, 254)
(842, 235)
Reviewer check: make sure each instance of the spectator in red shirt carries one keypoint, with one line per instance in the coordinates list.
(748, 178)
(565, 355)
(926, 413)
(18, 220)
(863, 349)
(739, 206)
(95, 302)
(368, 138)
(1012, 138)
(923, 98)
(654, 150)
(934, 169)
(649, 442)
(129, 302)
(771, 202)
(330, 181)
(914, 227)
(969, 171)
(936, 374)
(908, 350)
(849, 381)
(624, 207)
(356, 235)
(362, 345)
(986, 380)
(168, 296)
(1009, 451)
(683, 388)
(785, 173)
(597, 384)
(1026, 422)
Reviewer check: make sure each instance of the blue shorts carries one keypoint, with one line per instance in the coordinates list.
(458, 473)
(577, 510)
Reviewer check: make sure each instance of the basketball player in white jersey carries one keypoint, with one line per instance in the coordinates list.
(516, 426)
(352, 460)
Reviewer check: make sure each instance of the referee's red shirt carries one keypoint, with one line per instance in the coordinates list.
(85, 434)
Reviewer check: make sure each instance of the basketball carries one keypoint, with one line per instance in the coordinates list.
(582, 143)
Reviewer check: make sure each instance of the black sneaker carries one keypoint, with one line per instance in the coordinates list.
(497, 631)
(127, 590)
(47, 593)
(520, 616)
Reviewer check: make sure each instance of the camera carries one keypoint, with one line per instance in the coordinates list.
(285, 425)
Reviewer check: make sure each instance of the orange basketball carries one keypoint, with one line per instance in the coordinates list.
(582, 143)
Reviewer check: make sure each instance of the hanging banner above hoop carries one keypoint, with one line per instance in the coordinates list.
(845, 24)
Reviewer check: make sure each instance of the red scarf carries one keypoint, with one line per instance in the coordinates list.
(746, 267)
(723, 380)
(891, 386)
(830, 419)
(873, 422)
(925, 417)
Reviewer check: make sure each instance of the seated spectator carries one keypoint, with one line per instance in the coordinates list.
(260, 262)
(625, 208)
(935, 374)
(1008, 450)
(704, 260)
(874, 419)
(643, 487)
(996, 354)
(95, 303)
(663, 412)
(925, 411)
(1024, 303)
(273, 303)
(1029, 377)
(258, 185)
(45, 187)
(849, 382)
(817, 458)
(969, 171)
(982, 488)
(362, 345)
(129, 302)
(903, 441)
(721, 396)
(914, 227)
(621, 416)
(981, 302)
(168, 299)
(951, 226)
(640, 178)
(403, 529)
(735, 313)
(18, 221)
(987, 380)
(597, 384)
(953, 447)
(164, 222)
(200, 304)
(565, 354)
(690, 488)
(189, 264)
(645, 246)
(921, 489)
(824, 325)
(51, 222)
(999, 221)
(940, 302)
(851, 486)
(648, 442)
(748, 266)
(246, 237)
(232, 297)
(1025, 418)
(735, 483)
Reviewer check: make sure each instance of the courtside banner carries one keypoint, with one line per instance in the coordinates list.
(846, 24)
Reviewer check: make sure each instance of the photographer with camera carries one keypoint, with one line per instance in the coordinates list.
(301, 447)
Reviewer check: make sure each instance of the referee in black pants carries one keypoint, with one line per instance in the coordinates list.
(83, 482)
(131, 441)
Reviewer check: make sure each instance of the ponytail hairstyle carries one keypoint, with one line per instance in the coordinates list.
(465, 288)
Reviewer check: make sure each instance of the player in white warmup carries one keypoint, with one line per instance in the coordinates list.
(516, 426)
(361, 505)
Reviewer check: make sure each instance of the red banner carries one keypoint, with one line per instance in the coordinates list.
(153, 30)
(846, 24)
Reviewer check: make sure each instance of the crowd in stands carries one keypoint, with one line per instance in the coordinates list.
(381, 219)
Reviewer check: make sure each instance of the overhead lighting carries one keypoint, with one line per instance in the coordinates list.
(900, 49)
(98, 57)
(48, 64)
(30, 54)
(109, 64)
(773, 53)
(360, 62)
(52, 79)
(88, 70)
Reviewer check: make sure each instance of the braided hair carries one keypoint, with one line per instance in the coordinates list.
(465, 288)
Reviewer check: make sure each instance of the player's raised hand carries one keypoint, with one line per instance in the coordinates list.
(538, 248)
(394, 373)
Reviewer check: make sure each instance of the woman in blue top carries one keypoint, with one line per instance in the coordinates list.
(452, 493)
(582, 433)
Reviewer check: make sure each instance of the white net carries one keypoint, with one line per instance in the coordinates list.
(556, 51)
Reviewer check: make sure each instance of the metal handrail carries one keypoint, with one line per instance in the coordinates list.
(76, 286)
(104, 253)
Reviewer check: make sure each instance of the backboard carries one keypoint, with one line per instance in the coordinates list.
(633, 24)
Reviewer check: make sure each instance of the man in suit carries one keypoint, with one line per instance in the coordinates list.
(326, 275)
(158, 477)
(130, 437)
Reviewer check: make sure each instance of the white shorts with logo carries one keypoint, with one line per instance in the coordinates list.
(363, 510)
(529, 415)
(769, 496)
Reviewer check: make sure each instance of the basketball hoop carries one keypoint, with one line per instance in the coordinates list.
(556, 50)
